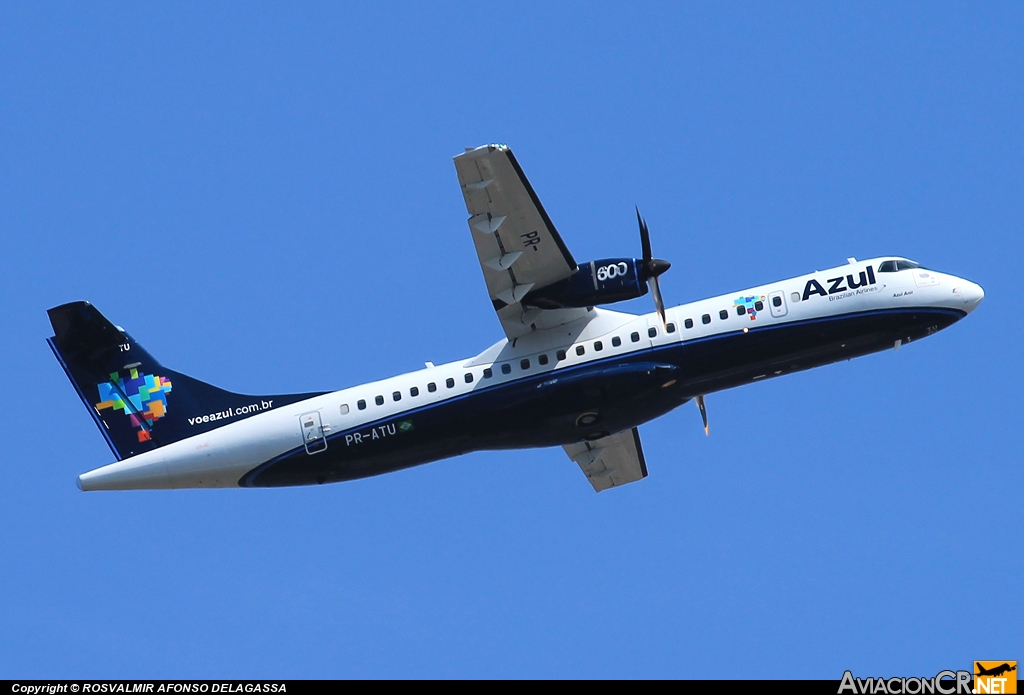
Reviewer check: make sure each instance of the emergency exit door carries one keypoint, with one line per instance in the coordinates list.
(312, 428)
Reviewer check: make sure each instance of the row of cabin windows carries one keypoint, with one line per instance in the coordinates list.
(740, 311)
(506, 368)
(524, 364)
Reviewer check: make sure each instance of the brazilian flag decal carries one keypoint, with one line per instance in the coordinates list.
(405, 425)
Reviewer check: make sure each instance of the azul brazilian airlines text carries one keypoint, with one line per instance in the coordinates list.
(567, 373)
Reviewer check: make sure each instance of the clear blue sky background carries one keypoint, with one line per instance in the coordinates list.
(264, 196)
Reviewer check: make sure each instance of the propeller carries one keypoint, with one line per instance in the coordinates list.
(651, 268)
(703, 414)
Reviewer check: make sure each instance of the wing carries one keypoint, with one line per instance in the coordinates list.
(518, 246)
(614, 460)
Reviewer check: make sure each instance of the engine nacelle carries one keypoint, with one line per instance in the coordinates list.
(598, 282)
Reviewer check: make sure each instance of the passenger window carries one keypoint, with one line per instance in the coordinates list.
(651, 332)
(776, 301)
(543, 359)
(635, 337)
(361, 404)
(887, 267)
(723, 314)
(671, 328)
(706, 318)
(488, 373)
(469, 377)
(431, 387)
(397, 395)
(580, 350)
(740, 310)
(598, 346)
(379, 400)
(414, 391)
(759, 305)
(560, 355)
(524, 364)
(616, 341)
(688, 323)
(449, 382)
(506, 368)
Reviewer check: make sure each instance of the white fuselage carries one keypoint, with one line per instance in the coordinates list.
(223, 456)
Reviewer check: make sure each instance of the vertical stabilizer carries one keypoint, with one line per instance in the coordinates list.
(137, 403)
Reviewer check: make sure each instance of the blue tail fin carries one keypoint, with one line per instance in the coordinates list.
(137, 403)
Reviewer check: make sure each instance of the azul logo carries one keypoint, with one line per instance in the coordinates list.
(751, 305)
(146, 398)
(841, 284)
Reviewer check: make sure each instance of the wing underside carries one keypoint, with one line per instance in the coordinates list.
(610, 461)
(518, 246)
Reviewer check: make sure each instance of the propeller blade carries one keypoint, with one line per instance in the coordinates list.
(651, 267)
(645, 236)
(703, 414)
(659, 304)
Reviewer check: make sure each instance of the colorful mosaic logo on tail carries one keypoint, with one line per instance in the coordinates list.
(146, 394)
(751, 305)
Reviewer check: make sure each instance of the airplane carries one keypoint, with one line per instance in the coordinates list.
(994, 671)
(568, 372)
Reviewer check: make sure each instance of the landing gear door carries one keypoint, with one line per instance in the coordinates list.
(777, 304)
(312, 429)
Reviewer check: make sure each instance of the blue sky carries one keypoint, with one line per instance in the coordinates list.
(263, 195)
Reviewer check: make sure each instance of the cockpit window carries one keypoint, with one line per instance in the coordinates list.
(894, 266)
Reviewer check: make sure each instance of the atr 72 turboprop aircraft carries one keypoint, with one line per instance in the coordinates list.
(566, 374)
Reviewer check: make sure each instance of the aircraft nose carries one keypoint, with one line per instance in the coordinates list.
(969, 293)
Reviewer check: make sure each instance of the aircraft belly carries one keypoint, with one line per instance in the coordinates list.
(536, 412)
(738, 358)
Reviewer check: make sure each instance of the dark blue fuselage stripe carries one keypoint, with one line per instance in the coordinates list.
(586, 366)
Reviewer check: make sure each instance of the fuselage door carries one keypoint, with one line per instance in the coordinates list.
(777, 304)
(312, 429)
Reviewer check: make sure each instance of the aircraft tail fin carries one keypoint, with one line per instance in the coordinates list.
(137, 403)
